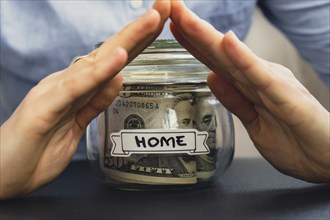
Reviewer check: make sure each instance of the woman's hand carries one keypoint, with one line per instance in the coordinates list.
(40, 138)
(287, 124)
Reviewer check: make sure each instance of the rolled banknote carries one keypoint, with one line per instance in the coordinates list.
(206, 120)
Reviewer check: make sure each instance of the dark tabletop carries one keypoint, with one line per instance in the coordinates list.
(250, 189)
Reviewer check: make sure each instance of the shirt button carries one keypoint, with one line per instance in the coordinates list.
(136, 4)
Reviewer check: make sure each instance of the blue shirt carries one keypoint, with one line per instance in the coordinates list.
(41, 37)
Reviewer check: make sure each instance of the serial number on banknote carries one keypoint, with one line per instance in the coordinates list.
(138, 105)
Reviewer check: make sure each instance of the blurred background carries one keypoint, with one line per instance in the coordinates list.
(270, 44)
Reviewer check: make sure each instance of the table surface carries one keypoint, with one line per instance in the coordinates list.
(250, 189)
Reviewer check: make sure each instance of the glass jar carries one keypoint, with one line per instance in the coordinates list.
(165, 129)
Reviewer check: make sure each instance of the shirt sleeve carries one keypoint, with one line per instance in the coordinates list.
(306, 23)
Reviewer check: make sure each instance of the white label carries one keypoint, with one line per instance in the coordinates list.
(159, 141)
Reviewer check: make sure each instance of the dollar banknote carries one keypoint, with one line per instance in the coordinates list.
(147, 107)
(206, 120)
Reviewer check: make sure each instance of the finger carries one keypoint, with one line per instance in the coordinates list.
(100, 102)
(133, 38)
(232, 99)
(88, 74)
(66, 95)
(200, 38)
(191, 48)
(272, 81)
(215, 47)
(246, 63)
(139, 34)
(281, 93)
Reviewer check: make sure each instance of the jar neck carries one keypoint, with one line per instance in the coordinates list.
(165, 62)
